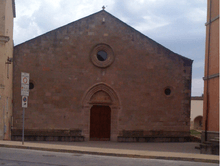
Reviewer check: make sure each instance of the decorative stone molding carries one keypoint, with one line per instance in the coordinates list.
(103, 90)
(101, 94)
(2, 86)
(110, 55)
(101, 97)
(4, 39)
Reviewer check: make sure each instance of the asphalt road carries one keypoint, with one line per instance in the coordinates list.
(24, 157)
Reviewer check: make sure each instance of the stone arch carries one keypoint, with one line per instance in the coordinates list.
(101, 94)
(198, 122)
(100, 88)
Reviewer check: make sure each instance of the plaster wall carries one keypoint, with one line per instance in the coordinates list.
(6, 51)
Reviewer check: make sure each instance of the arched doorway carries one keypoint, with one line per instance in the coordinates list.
(100, 102)
(100, 123)
(198, 123)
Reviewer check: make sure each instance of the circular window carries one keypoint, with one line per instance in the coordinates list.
(31, 85)
(102, 55)
(167, 91)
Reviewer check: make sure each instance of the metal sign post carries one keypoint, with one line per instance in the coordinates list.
(23, 126)
(24, 93)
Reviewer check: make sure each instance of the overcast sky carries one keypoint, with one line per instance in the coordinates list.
(178, 25)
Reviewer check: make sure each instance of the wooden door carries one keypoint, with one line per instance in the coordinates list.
(100, 123)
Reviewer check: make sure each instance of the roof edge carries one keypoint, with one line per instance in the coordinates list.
(197, 98)
(186, 60)
(57, 28)
(190, 61)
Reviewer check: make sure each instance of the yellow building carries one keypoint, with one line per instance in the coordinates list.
(196, 113)
(7, 14)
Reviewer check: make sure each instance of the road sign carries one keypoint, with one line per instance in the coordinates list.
(25, 84)
(25, 93)
(24, 101)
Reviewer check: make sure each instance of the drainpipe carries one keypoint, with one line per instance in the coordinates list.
(207, 84)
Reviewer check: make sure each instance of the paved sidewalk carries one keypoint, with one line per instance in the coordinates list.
(187, 147)
(170, 151)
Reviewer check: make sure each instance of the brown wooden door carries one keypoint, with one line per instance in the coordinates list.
(100, 123)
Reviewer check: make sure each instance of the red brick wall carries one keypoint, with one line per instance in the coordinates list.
(212, 69)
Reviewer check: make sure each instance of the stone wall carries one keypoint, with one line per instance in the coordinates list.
(146, 86)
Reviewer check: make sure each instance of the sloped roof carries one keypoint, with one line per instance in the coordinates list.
(187, 61)
(197, 97)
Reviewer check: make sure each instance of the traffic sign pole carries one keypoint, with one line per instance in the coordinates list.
(23, 127)
(24, 93)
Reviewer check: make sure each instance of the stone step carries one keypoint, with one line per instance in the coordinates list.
(215, 139)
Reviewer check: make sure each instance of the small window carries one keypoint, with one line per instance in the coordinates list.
(31, 85)
(102, 55)
(167, 91)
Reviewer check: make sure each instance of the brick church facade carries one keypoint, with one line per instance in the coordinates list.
(99, 79)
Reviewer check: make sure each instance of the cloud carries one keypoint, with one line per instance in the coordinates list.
(37, 17)
(25, 28)
(196, 15)
(151, 22)
(176, 24)
(26, 7)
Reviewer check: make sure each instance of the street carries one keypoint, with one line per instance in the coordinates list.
(24, 157)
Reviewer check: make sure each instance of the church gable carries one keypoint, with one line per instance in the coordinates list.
(99, 27)
(99, 64)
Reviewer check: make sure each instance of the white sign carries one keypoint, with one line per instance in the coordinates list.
(24, 101)
(24, 93)
(25, 84)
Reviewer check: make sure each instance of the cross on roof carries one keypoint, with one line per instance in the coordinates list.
(103, 7)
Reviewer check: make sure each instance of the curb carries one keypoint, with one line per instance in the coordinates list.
(195, 138)
(112, 154)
